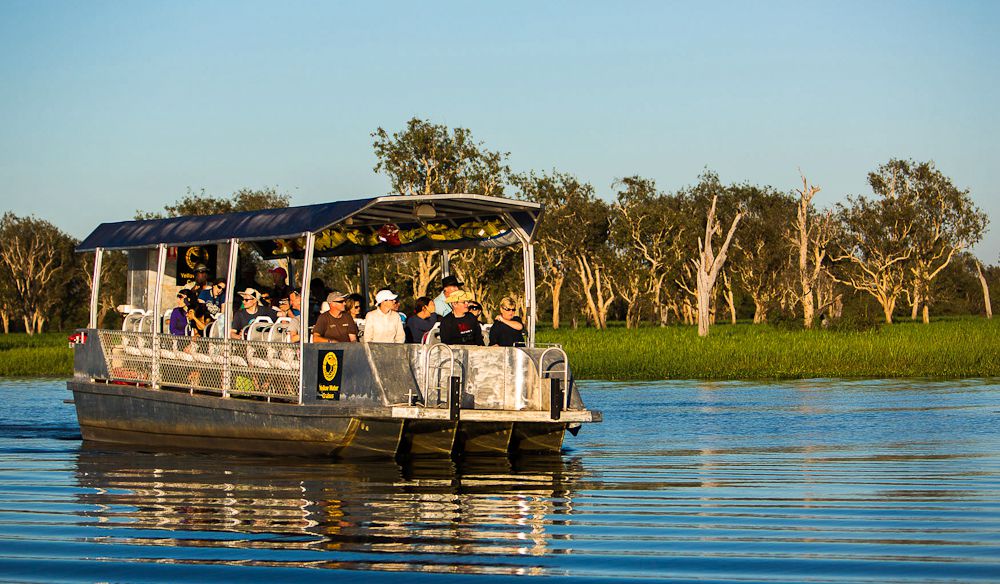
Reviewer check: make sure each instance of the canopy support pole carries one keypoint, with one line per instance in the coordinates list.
(161, 263)
(227, 319)
(445, 263)
(530, 318)
(528, 253)
(304, 310)
(364, 284)
(95, 284)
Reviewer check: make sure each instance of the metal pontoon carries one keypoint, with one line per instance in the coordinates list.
(263, 394)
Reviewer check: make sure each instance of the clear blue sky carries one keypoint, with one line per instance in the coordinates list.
(110, 107)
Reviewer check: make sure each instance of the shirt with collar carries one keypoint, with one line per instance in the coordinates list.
(383, 327)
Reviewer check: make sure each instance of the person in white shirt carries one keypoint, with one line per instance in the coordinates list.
(383, 325)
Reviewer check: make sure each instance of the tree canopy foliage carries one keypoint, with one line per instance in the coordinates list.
(634, 253)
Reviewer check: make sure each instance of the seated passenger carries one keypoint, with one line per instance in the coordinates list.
(460, 327)
(291, 307)
(278, 289)
(317, 294)
(336, 325)
(353, 304)
(508, 328)
(422, 320)
(383, 324)
(252, 308)
(199, 318)
(214, 297)
(178, 316)
(449, 285)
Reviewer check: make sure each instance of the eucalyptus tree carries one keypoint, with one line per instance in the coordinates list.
(761, 259)
(708, 263)
(987, 304)
(594, 259)
(647, 234)
(873, 252)
(945, 221)
(699, 276)
(36, 258)
(572, 241)
(114, 267)
(811, 236)
(426, 158)
(201, 203)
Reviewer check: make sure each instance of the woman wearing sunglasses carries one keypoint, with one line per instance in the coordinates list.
(507, 329)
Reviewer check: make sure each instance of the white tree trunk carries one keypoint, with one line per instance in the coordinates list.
(986, 291)
(709, 265)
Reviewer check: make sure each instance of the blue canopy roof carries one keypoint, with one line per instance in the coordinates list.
(293, 222)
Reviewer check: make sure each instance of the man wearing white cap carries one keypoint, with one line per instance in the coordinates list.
(383, 324)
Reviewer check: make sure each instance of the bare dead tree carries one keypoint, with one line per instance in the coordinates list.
(596, 288)
(812, 237)
(986, 290)
(708, 264)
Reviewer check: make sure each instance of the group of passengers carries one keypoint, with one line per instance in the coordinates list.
(454, 312)
(197, 305)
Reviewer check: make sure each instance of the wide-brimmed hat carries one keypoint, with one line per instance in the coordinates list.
(384, 295)
(250, 293)
(451, 281)
(459, 296)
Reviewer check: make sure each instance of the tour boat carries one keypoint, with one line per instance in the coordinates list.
(262, 393)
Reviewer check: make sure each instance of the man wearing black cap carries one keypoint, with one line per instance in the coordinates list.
(449, 285)
(200, 279)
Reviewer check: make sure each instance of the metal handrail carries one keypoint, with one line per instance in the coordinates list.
(427, 371)
(544, 374)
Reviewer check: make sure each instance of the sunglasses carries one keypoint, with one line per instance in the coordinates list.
(506, 308)
(220, 286)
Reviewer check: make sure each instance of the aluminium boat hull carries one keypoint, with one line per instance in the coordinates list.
(158, 419)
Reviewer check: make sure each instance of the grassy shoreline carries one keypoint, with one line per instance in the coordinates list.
(948, 348)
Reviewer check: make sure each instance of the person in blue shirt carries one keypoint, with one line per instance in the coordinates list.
(449, 285)
(421, 321)
(214, 297)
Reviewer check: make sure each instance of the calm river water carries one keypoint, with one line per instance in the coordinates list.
(813, 481)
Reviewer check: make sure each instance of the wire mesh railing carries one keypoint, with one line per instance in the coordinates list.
(260, 368)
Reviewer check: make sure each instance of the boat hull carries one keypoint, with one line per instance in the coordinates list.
(159, 419)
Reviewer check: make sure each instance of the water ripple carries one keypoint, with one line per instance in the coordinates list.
(819, 481)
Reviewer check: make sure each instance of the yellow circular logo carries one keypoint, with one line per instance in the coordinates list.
(195, 255)
(329, 366)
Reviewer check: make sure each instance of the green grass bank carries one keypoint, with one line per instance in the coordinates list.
(947, 348)
(44, 355)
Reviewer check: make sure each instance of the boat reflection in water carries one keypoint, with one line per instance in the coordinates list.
(474, 516)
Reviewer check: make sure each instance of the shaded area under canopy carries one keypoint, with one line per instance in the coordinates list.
(363, 226)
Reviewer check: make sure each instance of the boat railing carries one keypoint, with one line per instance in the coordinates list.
(448, 361)
(560, 392)
(235, 367)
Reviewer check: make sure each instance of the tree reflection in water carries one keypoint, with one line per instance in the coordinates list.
(476, 516)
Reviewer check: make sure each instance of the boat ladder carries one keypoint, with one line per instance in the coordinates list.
(558, 386)
(453, 392)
